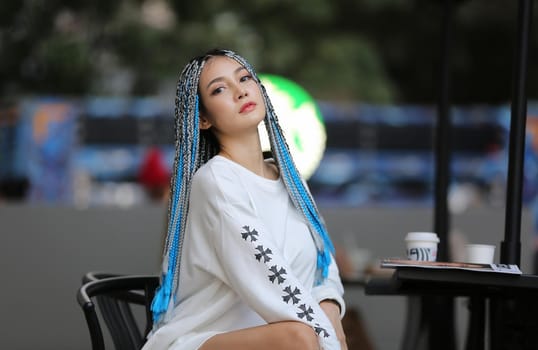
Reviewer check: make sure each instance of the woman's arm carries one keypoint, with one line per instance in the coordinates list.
(332, 310)
(254, 268)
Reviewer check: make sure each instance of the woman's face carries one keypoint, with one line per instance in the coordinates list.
(231, 98)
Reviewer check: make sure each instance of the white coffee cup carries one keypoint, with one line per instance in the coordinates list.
(422, 246)
(479, 253)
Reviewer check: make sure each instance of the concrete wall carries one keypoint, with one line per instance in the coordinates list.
(44, 251)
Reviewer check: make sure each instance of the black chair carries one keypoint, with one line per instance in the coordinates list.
(117, 297)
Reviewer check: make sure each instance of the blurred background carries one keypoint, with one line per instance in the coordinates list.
(86, 122)
(87, 90)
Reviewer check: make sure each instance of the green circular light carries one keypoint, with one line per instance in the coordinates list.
(300, 120)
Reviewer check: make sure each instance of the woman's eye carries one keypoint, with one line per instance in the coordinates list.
(217, 91)
(245, 78)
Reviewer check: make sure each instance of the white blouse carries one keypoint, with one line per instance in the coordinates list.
(248, 259)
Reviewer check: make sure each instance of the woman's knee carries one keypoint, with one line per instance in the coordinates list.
(288, 335)
(300, 336)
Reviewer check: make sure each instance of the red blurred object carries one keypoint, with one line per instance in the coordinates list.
(154, 174)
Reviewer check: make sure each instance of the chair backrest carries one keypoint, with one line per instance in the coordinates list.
(116, 295)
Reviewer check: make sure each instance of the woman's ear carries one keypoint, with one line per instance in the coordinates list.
(204, 122)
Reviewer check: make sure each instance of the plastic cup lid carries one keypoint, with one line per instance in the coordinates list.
(422, 236)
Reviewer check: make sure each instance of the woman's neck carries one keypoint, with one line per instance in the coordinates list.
(250, 157)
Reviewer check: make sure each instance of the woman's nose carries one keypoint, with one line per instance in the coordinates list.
(241, 92)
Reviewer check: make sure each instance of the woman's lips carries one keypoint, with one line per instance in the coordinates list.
(247, 107)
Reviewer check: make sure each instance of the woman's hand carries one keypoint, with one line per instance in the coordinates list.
(332, 310)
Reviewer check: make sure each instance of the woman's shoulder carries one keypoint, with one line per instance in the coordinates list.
(217, 175)
(215, 169)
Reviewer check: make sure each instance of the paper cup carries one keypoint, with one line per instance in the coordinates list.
(479, 253)
(422, 246)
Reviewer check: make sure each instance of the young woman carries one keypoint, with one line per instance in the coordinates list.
(247, 260)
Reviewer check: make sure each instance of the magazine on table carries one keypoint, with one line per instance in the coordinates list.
(498, 268)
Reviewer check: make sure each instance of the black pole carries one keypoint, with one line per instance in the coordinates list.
(511, 246)
(442, 137)
(509, 321)
(440, 309)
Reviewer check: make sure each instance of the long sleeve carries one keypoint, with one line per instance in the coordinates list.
(263, 279)
(252, 263)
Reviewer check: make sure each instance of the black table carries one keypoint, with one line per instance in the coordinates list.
(499, 289)
(416, 280)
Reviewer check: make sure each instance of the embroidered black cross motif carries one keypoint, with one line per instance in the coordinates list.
(278, 274)
(264, 253)
(306, 312)
(291, 295)
(248, 233)
(319, 330)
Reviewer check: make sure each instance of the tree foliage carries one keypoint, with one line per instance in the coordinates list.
(381, 51)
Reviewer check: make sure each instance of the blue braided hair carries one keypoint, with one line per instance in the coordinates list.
(194, 147)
